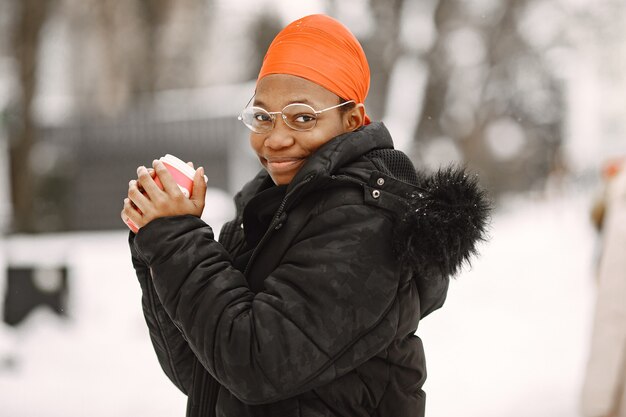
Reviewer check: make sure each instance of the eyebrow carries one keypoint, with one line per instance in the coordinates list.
(302, 100)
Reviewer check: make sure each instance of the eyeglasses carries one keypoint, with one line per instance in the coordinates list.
(298, 116)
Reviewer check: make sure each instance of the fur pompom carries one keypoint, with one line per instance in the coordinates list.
(446, 217)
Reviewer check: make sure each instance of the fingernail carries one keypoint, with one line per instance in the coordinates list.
(201, 169)
(140, 169)
(131, 182)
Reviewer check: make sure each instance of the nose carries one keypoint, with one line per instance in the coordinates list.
(281, 136)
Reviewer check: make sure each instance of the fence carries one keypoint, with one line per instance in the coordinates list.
(85, 167)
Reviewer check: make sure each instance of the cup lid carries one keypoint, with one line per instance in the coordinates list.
(179, 164)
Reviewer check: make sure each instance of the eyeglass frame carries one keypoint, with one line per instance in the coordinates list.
(274, 113)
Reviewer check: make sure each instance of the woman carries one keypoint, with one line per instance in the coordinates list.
(309, 303)
(604, 384)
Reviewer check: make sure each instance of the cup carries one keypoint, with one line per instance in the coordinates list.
(181, 172)
(132, 226)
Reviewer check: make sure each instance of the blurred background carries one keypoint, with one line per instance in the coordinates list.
(529, 94)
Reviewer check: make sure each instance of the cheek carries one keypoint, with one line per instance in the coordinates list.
(256, 142)
(337, 127)
(324, 135)
(313, 144)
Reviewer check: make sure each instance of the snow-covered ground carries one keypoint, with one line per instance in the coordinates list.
(510, 341)
(512, 338)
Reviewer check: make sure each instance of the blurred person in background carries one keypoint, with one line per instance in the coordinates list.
(309, 303)
(604, 387)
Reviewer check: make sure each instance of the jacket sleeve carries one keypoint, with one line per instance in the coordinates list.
(328, 307)
(172, 350)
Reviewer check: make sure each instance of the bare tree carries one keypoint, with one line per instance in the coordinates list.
(138, 46)
(31, 17)
(148, 45)
(262, 32)
(383, 49)
(472, 105)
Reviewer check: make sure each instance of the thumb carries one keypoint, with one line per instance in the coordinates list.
(199, 188)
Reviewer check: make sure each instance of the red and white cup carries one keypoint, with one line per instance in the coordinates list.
(181, 172)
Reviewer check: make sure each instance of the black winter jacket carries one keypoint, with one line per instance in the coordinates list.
(322, 322)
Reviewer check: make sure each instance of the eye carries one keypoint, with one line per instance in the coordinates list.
(262, 117)
(304, 118)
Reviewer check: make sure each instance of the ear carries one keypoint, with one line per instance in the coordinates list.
(354, 118)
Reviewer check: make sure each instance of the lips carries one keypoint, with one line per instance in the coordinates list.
(282, 164)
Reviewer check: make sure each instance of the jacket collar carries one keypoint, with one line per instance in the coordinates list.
(342, 150)
(327, 160)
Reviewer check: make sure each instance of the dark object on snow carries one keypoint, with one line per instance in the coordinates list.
(31, 287)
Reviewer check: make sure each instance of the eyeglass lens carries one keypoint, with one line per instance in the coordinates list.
(296, 116)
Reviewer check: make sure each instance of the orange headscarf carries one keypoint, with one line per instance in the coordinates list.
(324, 51)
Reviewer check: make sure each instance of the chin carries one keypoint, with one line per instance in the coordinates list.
(281, 179)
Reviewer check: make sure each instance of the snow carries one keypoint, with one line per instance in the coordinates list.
(512, 337)
(98, 362)
(506, 139)
(510, 340)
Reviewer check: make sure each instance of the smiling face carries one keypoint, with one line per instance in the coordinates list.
(283, 151)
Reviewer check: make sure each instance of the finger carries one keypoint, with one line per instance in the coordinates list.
(169, 185)
(152, 175)
(137, 198)
(151, 171)
(129, 213)
(135, 206)
(127, 207)
(146, 183)
(190, 164)
(199, 188)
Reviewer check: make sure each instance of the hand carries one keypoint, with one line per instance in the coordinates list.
(146, 201)
(130, 207)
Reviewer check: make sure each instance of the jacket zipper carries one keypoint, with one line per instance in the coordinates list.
(272, 225)
(348, 179)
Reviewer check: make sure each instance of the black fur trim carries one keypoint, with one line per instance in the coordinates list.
(443, 223)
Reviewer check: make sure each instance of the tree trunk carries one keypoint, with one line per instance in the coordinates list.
(500, 97)
(383, 49)
(30, 19)
(438, 77)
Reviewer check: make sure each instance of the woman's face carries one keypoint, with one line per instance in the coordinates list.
(283, 151)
